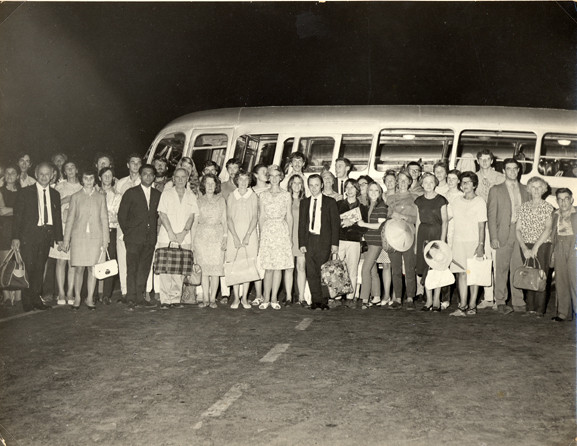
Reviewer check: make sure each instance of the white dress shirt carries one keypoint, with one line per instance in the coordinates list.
(40, 193)
(146, 194)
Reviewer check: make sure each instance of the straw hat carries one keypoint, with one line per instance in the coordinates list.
(438, 255)
(398, 234)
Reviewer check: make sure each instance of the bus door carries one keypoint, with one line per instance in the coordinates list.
(209, 145)
(255, 148)
(170, 147)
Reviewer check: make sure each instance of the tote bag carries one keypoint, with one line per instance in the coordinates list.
(241, 270)
(13, 272)
(479, 271)
(105, 269)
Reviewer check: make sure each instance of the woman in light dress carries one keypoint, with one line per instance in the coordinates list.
(242, 218)
(210, 237)
(276, 225)
(296, 188)
(67, 187)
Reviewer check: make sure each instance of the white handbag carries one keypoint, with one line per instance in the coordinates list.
(479, 271)
(105, 269)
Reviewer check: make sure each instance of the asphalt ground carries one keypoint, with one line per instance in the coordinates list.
(196, 376)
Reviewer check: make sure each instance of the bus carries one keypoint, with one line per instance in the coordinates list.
(378, 138)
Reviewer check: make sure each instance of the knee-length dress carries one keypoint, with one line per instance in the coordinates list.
(275, 250)
(296, 211)
(467, 214)
(210, 231)
(430, 228)
(242, 209)
(9, 197)
(65, 189)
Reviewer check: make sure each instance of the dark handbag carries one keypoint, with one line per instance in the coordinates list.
(531, 278)
(13, 272)
(173, 261)
(241, 270)
(335, 276)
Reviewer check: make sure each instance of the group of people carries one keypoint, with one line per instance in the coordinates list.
(289, 225)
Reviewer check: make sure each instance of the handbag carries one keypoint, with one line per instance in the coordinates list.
(13, 272)
(479, 271)
(195, 277)
(173, 261)
(335, 276)
(105, 269)
(439, 278)
(241, 270)
(531, 278)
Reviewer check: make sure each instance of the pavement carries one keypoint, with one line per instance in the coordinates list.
(195, 376)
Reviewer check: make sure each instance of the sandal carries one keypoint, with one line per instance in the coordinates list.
(472, 311)
(235, 305)
(427, 308)
(202, 305)
(263, 306)
(275, 305)
(460, 311)
(246, 305)
(213, 305)
(257, 301)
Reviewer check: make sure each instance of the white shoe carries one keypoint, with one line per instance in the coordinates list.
(376, 300)
(485, 304)
(445, 305)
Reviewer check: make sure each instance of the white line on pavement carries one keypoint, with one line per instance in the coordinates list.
(218, 408)
(274, 353)
(304, 324)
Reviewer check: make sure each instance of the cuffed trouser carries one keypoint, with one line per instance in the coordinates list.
(488, 291)
(350, 253)
(317, 254)
(565, 276)
(507, 260)
(397, 258)
(138, 260)
(34, 256)
(121, 253)
(170, 288)
(370, 274)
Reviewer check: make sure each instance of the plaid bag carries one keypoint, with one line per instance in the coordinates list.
(173, 261)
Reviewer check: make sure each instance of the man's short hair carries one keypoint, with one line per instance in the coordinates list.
(210, 163)
(511, 161)
(133, 155)
(563, 190)
(146, 166)
(318, 177)
(231, 162)
(485, 152)
(346, 161)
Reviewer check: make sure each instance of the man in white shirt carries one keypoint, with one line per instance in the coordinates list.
(343, 167)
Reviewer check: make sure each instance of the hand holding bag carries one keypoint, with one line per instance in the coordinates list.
(531, 278)
(173, 261)
(335, 276)
(13, 272)
(479, 271)
(241, 270)
(195, 277)
(109, 268)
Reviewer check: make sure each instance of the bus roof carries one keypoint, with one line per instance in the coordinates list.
(431, 115)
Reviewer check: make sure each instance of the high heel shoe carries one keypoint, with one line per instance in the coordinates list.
(91, 307)
(427, 308)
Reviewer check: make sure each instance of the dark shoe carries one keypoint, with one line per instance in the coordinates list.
(558, 319)
(519, 309)
(504, 309)
(74, 307)
(425, 308)
(396, 305)
(410, 304)
(145, 304)
(106, 300)
(304, 304)
(164, 306)
(42, 307)
(91, 307)
(325, 307)
(121, 300)
(130, 306)
(436, 309)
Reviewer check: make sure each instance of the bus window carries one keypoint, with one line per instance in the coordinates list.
(520, 145)
(318, 151)
(209, 147)
(399, 146)
(559, 155)
(171, 148)
(357, 149)
(287, 149)
(254, 149)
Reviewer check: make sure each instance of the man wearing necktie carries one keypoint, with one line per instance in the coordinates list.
(342, 168)
(319, 226)
(37, 225)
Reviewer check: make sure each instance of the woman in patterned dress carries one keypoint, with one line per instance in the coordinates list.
(276, 225)
(390, 182)
(210, 237)
(534, 223)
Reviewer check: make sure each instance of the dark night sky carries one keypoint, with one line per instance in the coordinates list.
(85, 77)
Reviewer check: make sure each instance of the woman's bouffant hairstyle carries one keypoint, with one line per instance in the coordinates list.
(202, 185)
(242, 173)
(468, 174)
(355, 183)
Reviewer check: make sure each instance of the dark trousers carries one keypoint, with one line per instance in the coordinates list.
(397, 258)
(109, 282)
(537, 300)
(34, 254)
(49, 287)
(138, 261)
(317, 254)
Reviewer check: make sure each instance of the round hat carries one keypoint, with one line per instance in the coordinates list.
(438, 255)
(399, 235)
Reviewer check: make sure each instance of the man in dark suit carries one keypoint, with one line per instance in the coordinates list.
(138, 217)
(502, 205)
(37, 225)
(319, 225)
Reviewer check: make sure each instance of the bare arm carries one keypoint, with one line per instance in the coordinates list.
(289, 218)
(232, 229)
(526, 251)
(480, 251)
(544, 236)
(224, 225)
(165, 222)
(445, 223)
(252, 224)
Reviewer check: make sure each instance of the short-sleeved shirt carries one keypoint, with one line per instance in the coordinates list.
(466, 215)
(178, 212)
(533, 219)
